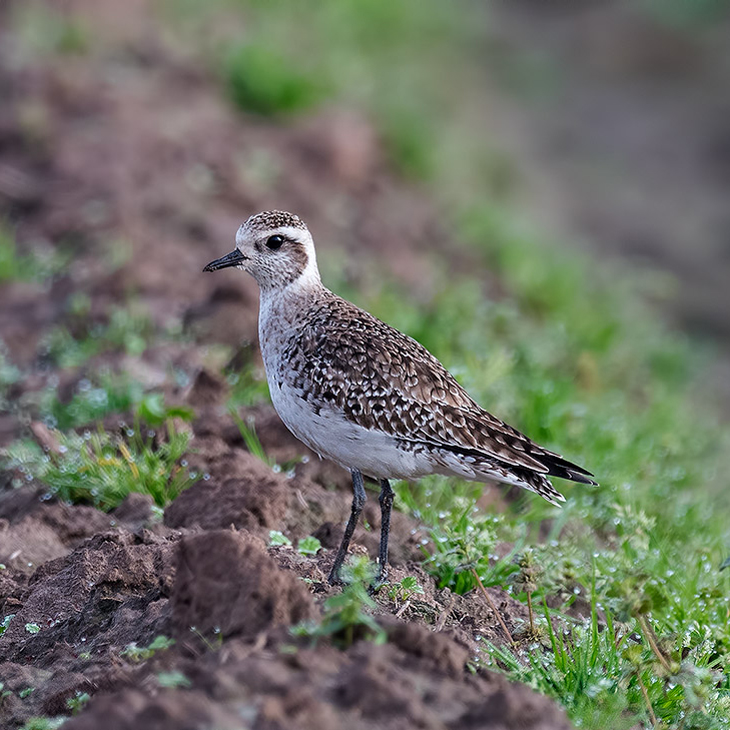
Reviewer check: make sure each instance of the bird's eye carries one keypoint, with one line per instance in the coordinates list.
(274, 242)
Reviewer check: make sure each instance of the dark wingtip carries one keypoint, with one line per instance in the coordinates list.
(581, 478)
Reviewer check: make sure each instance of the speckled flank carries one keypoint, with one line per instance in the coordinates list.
(363, 394)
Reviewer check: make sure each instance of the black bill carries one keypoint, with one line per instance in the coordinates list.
(234, 258)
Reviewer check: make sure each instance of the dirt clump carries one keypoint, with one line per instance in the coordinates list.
(250, 496)
(226, 583)
(293, 686)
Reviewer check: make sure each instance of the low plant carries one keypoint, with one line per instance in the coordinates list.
(347, 616)
(124, 330)
(248, 386)
(142, 653)
(309, 546)
(278, 539)
(250, 438)
(404, 589)
(78, 702)
(44, 723)
(16, 266)
(95, 397)
(6, 622)
(102, 469)
(172, 679)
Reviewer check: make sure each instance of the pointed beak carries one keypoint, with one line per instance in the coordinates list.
(234, 258)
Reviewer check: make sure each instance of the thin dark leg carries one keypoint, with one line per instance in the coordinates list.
(358, 502)
(387, 495)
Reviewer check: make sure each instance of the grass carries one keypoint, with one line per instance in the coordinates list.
(102, 469)
(347, 615)
(124, 330)
(102, 393)
(36, 266)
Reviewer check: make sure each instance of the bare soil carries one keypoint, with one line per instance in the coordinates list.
(130, 147)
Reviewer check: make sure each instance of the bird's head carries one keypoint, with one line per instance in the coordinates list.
(276, 248)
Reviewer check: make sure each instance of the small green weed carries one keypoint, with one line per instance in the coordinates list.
(142, 653)
(125, 330)
(250, 438)
(32, 628)
(15, 266)
(309, 546)
(248, 387)
(403, 590)
(27, 692)
(346, 618)
(6, 622)
(172, 680)
(4, 692)
(278, 539)
(460, 548)
(44, 723)
(95, 397)
(77, 702)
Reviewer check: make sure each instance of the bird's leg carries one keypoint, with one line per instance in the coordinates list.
(358, 502)
(386, 504)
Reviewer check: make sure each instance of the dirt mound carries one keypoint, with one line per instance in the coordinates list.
(415, 681)
(249, 496)
(33, 531)
(226, 583)
(76, 601)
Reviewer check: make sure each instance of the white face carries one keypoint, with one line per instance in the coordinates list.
(275, 257)
(276, 248)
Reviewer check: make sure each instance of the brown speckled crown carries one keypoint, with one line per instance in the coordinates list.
(271, 219)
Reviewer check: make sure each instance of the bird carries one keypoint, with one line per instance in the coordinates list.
(366, 396)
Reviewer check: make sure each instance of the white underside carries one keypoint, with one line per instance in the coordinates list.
(332, 436)
(374, 453)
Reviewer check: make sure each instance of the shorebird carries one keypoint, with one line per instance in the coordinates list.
(366, 396)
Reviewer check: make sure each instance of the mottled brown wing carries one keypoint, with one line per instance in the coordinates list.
(380, 378)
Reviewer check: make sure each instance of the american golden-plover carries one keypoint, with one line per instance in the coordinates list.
(359, 392)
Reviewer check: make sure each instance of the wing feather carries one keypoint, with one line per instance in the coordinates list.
(381, 378)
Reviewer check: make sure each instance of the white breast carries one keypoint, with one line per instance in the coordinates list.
(332, 436)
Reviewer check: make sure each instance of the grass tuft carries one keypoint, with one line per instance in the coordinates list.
(102, 469)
